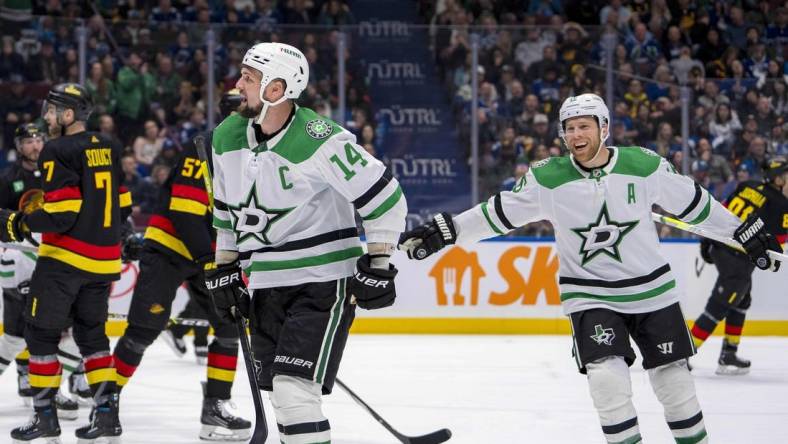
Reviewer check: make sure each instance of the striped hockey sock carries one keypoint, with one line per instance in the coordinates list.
(222, 361)
(101, 376)
(734, 324)
(45, 375)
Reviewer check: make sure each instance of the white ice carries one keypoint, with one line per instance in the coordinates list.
(486, 389)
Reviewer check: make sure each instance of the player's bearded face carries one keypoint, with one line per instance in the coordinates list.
(249, 87)
(582, 137)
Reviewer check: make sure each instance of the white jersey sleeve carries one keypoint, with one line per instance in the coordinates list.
(501, 213)
(364, 181)
(225, 237)
(690, 202)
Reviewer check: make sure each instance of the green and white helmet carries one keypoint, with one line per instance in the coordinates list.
(278, 61)
(584, 105)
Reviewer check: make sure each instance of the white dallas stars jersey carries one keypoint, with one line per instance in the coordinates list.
(607, 242)
(287, 204)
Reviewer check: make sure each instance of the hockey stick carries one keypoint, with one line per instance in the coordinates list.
(435, 437)
(19, 247)
(260, 433)
(188, 322)
(675, 223)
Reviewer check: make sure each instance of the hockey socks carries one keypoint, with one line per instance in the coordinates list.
(45, 374)
(222, 361)
(673, 385)
(611, 390)
(101, 376)
(297, 407)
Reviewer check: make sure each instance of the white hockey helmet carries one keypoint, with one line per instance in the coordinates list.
(585, 105)
(278, 61)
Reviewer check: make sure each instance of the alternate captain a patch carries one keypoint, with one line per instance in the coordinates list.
(602, 236)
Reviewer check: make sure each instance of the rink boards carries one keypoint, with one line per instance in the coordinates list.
(510, 287)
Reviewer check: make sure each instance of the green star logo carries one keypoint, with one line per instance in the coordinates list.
(318, 129)
(603, 236)
(253, 220)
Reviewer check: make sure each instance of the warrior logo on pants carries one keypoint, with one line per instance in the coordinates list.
(603, 335)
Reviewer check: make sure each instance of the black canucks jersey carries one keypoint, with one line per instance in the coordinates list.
(768, 203)
(15, 181)
(84, 205)
(184, 204)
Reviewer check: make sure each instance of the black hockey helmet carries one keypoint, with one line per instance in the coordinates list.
(25, 131)
(230, 102)
(774, 167)
(72, 96)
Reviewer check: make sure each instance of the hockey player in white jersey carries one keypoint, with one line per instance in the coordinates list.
(614, 282)
(287, 183)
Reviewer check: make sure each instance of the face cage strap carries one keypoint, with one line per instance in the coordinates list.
(267, 104)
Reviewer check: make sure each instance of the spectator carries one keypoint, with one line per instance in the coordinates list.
(764, 115)
(186, 102)
(757, 64)
(635, 97)
(538, 69)
(700, 174)
(167, 83)
(735, 29)
(335, 13)
(521, 167)
(148, 146)
(541, 131)
(168, 155)
(643, 49)
(724, 128)
(622, 14)
(515, 103)
(778, 142)
(133, 86)
(531, 49)
(719, 172)
(144, 196)
(756, 155)
(712, 48)
(683, 64)
(159, 175)
(526, 118)
(194, 126)
(43, 66)
(666, 142)
(102, 91)
(11, 63)
(673, 42)
(16, 108)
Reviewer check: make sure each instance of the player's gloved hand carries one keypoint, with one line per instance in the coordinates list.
(373, 288)
(132, 247)
(11, 227)
(227, 288)
(429, 238)
(756, 242)
(705, 250)
(24, 287)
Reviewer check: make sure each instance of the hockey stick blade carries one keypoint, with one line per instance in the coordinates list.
(260, 433)
(435, 437)
(19, 247)
(189, 322)
(675, 223)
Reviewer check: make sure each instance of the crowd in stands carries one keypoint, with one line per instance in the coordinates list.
(533, 54)
(147, 70)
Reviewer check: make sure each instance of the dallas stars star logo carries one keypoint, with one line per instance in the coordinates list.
(252, 219)
(603, 236)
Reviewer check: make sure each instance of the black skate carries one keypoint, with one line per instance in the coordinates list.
(201, 354)
(43, 424)
(220, 425)
(178, 345)
(24, 389)
(729, 363)
(78, 387)
(104, 423)
(66, 408)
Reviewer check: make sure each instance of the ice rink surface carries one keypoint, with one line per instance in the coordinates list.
(486, 389)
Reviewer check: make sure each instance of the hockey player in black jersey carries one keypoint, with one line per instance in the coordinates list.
(730, 297)
(170, 257)
(79, 257)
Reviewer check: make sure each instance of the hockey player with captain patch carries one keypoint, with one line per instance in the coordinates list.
(614, 283)
(286, 184)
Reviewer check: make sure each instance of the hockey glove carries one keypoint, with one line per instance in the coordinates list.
(373, 288)
(226, 285)
(11, 227)
(756, 241)
(132, 247)
(705, 250)
(24, 287)
(429, 238)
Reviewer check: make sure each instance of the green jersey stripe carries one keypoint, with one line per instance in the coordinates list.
(624, 297)
(312, 261)
(386, 205)
(703, 214)
(32, 256)
(489, 221)
(224, 224)
(6, 274)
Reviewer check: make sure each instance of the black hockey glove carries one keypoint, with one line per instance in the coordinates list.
(11, 227)
(429, 238)
(705, 250)
(756, 242)
(24, 288)
(132, 247)
(373, 288)
(227, 288)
